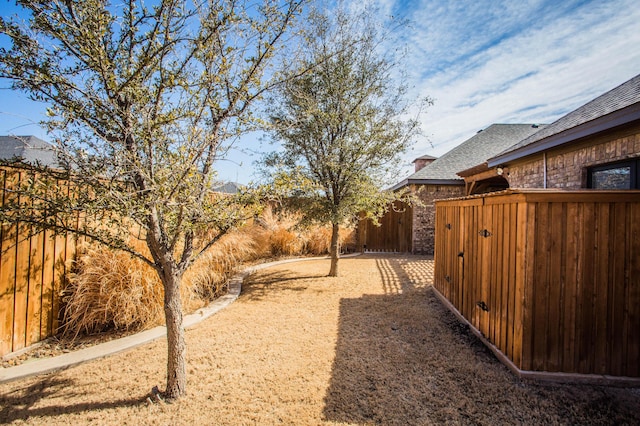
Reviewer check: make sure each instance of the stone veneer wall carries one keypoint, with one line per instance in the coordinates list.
(424, 218)
(566, 167)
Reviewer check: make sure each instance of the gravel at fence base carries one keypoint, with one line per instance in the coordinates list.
(373, 346)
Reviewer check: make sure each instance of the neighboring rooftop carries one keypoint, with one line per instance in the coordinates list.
(27, 149)
(617, 107)
(227, 188)
(483, 145)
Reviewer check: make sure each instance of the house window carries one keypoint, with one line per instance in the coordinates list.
(624, 175)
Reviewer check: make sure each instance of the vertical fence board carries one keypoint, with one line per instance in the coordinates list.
(58, 278)
(587, 296)
(495, 277)
(34, 298)
(601, 294)
(7, 269)
(21, 281)
(557, 214)
(508, 297)
(617, 288)
(541, 288)
(505, 286)
(571, 286)
(48, 262)
(470, 275)
(632, 299)
(519, 302)
(485, 216)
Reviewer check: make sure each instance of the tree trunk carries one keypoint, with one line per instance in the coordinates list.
(334, 250)
(176, 347)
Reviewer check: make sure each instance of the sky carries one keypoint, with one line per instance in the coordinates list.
(482, 62)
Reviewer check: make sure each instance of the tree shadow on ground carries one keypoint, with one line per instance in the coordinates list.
(25, 403)
(400, 275)
(402, 358)
(255, 288)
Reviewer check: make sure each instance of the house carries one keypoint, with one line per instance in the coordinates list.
(227, 188)
(27, 149)
(596, 146)
(438, 178)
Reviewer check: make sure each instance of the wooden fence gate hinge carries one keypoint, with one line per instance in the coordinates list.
(485, 233)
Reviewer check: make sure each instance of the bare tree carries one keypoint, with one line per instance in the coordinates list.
(143, 100)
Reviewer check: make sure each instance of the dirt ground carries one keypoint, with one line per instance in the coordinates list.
(373, 346)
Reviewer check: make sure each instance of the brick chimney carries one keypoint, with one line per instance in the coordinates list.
(420, 162)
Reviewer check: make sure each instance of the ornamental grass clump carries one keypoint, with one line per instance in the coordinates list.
(111, 290)
(208, 277)
(282, 238)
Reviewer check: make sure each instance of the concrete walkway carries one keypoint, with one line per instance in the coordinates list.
(46, 365)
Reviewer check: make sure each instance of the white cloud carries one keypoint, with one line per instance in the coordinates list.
(531, 69)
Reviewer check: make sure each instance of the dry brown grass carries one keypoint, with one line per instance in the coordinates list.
(208, 276)
(373, 346)
(114, 291)
(111, 290)
(318, 240)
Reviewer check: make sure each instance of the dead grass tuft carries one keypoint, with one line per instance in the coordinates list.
(318, 240)
(284, 242)
(114, 291)
(208, 276)
(111, 290)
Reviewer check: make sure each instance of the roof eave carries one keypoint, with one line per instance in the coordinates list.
(473, 170)
(408, 182)
(615, 119)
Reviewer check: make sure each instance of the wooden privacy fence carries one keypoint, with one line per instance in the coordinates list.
(31, 275)
(550, 279)
(393, 234)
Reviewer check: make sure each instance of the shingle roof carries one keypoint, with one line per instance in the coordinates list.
(473, 151)
(616, 107)
(28, 149)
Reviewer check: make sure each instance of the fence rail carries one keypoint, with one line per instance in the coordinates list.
(32, 270)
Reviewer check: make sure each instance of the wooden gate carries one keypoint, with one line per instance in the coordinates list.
(551, 279)
(393, 234)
